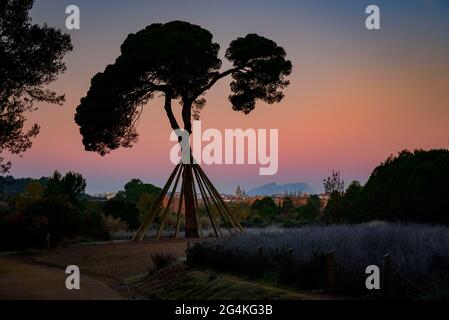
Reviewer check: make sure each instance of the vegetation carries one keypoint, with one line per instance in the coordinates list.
(132, 204)
(180, 61)
(162, 260)
(23, 80)
(411, 187)
(298, 257)
(10, 186)
(57, 209)
(309, 212)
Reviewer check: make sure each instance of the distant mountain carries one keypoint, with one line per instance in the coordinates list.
(273, 188)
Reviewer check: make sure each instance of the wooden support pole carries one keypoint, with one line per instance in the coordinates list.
(178, 218)
(386, 274)
(217, 195)
(197, 207)
(330, 284)
(206, 204)
(167, 208)
(140, 233)
(215, 201)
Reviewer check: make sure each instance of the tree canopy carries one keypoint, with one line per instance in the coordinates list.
(409, 187)
(31, 58)
(179, 60)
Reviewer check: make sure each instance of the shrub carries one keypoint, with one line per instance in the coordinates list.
(420, 258)
(115, 224)
(162, 259)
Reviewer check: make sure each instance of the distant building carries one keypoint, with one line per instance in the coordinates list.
(102, 197)
(240, 194)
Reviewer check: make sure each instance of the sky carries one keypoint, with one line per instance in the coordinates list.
(356, 95)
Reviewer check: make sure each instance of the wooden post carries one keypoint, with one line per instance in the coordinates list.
(260, 250)
(330, 270)
(386, 274)
(290, 252)
(48, 242)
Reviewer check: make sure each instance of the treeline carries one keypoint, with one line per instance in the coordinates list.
(410, 187)
(10, 186)
(59, 207)
(266, 211)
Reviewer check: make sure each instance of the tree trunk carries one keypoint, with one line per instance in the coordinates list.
(191, 226)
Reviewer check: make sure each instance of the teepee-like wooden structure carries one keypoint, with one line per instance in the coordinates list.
(191, 176)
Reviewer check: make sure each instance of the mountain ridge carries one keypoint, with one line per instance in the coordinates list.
(274, 188)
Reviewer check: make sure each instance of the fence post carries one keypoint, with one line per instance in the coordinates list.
(290, 251)
(386, 274)
(48, 242)
(330, 270)
(260, 250)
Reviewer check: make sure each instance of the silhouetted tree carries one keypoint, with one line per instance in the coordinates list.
(334, 183)
(135, 188)
(265, 207)
(31, 57)
(287, 205)
(72, 185)
(412, 186)
(179, 60)
(119, 207)
(311, 210)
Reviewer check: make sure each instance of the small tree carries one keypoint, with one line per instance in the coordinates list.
(287, 205)
(72, 185)
(334, 183)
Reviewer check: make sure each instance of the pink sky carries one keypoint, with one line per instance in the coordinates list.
(355, 98)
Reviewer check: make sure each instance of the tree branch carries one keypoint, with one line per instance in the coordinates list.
(215, 79)
(171, 117)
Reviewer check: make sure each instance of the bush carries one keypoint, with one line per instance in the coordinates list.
(115, 224)
(411, 187)
(420, 258)
(162, 259)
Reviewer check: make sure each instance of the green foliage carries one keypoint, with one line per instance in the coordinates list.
(31, 58)
(132, 204)
(135, 188)
(72, 185)
(287, 205)
(240, 210)
(311, 210)
(10, 186)
(119, 208)
(265, 208)
(57, 209)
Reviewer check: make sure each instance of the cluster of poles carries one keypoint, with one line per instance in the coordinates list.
(193, 180)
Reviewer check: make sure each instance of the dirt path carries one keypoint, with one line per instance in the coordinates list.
(20, 279)
(112, 262)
